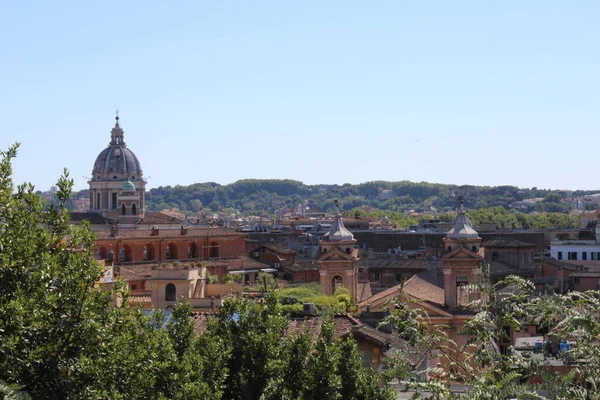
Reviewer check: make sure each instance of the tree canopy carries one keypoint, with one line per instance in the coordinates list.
(268, 195)
(61, 337)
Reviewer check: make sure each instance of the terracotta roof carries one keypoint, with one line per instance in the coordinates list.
(423, 290)
(155, 218)
(136, 272)
(343, 324)
(234, 264)
(411, 263)
(169, 233)
(201, 321)
(92, 217)
(506, 242)
(301, 267)
(502, 268)
(277, 249)
(560, 264)
(414, 287)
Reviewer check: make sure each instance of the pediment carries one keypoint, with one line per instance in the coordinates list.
(462, 253)
(334, 255)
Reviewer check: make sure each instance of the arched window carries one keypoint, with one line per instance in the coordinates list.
(348, 250)
(170, 294)
(171, 252)
(123, 209)
(192, 250)
(449, 249)
(148, 252)
(474, 249)
(462, 290)
(133, 209)
(100, 253)
(125, 254)
(98, 202)
(336, 283)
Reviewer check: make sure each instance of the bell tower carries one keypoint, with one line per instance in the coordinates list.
(462, 261)
(338, 254)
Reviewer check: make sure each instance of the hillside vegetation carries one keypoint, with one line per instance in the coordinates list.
(269, 195)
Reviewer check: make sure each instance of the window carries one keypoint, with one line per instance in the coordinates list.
(133, 209)
(367, 357)
(192, 253)
(575, 280)
(559, 255)
(100, 253)
(474, 249)
(595, 255)
(572, 255)
(148, 252)
(98, 202)
(584, 255)
(398, 278)
(170, 294)
(114, 201)
(124, 253)
(255, 254)
(171, 252)
(133, 286)
(123, 209)
(376, 276)
(336, 283)
(495, 255)
(214, 250)
(276, 265)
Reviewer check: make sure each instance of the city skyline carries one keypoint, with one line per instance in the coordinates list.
(334, 93)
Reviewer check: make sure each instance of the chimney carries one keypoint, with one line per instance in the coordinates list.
(184, 229)
(154, 230)
(114, 230)
(308, 308)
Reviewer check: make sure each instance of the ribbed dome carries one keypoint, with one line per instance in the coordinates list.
(463, 228)
(338, 231)
(117, 159)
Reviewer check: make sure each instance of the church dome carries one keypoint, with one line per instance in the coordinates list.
(463, 228)
(338, 232)
(128, 186)
(116, 161)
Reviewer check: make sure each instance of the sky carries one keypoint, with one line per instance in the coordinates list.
(460, 92)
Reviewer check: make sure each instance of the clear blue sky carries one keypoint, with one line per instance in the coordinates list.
(465, 92)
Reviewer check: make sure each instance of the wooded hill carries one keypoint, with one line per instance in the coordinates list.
(254, 196)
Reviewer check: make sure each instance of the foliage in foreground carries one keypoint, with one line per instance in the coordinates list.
(61, 339)
(493, 374)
